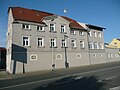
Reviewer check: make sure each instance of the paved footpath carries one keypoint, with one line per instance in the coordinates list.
(43, 74)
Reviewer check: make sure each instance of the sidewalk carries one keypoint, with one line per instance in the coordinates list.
(59, 72)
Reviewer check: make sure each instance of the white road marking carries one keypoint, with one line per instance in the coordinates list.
(108, 78)
(115, 88)
(58, 78)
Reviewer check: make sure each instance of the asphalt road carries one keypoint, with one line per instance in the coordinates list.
(99, 77)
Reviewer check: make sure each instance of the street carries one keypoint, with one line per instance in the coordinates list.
(99, 77)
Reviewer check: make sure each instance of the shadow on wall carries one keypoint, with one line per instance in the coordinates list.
(72, 83)
(19, 55)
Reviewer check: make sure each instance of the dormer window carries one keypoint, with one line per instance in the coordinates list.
(40, 28)
(25, 26)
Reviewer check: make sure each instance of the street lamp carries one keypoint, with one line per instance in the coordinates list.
(66, 63)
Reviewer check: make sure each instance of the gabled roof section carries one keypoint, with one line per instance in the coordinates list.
(28, 14)
(36, 16)
(73, 23)
(95, 27)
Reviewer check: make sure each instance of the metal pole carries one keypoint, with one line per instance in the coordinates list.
(66, 63)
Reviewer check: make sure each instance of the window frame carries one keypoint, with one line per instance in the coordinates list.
(55, 42)
(63, 29)
(81, 33)
(63, 43)
(24, 42)
(38, 28)
(26, 26)
(38, 42)
(73, 44)
(52, 27)
(72, 32)
(83, 44)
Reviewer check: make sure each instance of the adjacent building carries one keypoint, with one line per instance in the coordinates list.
(115, 43)
(38, 40)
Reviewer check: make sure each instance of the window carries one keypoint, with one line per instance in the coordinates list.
(100, 46)
(40, 42)
(25, 26)
(72, 31)
(95, 34)
(40, 28)
(91, 45)
(53, 42)
(73, 43)
(81, 33)
(26, 41)
(90, 33)
(96, 46)
(52, 27)
(62, 28)
(82, 44)
(63, 44)
(99, 34)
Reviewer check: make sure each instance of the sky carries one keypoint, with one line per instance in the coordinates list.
(103, 13)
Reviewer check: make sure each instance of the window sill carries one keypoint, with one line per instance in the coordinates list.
(40, 30)
(63, 32)
(41, 46)
(53, 47)
(74, 47)
(53, 31)
(64, 47)
(26, 29)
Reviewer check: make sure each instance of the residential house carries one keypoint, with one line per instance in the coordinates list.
(38, 40)
(115, 43)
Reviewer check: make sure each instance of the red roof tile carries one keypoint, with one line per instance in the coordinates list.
(28, 14)
(73, 23)
(37, 16)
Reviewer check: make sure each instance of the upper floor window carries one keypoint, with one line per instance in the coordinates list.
(53, 42)
(90, 33)
(63, 29)
(99, 34)
(73, 43)
(95, 34)
(40, 42)
(91, 45)
(25, 26)
(26, 40)
(63, 44)
(82, 44)
(96, 46)
(52, 27)
(100, 46)
(81, 33)
(40, 28)
(72, 31)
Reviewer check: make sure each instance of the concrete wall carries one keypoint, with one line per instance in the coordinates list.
(112, 54)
